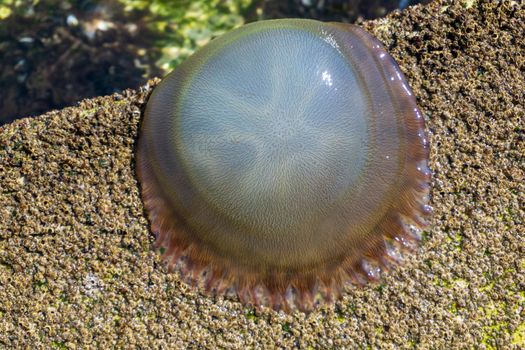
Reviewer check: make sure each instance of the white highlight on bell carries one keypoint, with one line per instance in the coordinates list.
(407, 89)
(422, 166)
(327, 78)
(415, 231)
(329, 38)
(418, 115)
(372, 271)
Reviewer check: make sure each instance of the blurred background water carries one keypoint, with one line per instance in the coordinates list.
(55, 53)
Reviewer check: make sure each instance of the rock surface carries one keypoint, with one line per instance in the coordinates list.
(77, 269)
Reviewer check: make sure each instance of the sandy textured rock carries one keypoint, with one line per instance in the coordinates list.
(77, 269)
